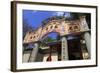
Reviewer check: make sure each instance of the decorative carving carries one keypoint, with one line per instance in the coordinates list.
(73, 28)
(63, 27)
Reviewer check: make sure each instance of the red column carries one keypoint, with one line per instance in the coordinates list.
(49, 57)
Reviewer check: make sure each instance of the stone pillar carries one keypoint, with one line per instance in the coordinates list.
(87, 38)
(84, 25)
(34, 53)
(64, 49)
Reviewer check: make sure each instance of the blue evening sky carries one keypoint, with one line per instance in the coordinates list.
(34, 17)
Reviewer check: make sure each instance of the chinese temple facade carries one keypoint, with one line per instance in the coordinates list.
(73, 44)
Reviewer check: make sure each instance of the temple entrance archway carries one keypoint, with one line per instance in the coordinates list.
(65, 48)
(52, 41)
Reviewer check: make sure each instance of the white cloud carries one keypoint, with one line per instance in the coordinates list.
(58, 13)
(34, 11)
(66, 14)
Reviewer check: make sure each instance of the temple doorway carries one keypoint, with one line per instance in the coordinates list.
(74, 49)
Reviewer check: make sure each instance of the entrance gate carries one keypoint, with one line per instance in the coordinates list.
(64, 28)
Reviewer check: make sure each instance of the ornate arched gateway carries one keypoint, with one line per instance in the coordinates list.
(67, 29)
